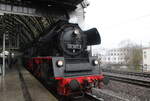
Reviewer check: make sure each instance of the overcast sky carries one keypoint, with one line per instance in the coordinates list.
(119, 20)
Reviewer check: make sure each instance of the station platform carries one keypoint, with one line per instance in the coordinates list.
(20, 85)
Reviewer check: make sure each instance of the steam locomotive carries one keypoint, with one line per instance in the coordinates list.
(61, 58)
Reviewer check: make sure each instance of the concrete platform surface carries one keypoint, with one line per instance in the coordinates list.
(12, 88)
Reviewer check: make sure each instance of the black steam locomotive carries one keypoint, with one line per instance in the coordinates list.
(61, 58)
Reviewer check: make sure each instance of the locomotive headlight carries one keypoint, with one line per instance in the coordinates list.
(95, 62)
(60, 63)
(76, 31)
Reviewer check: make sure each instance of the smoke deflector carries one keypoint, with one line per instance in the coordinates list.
(93, 36)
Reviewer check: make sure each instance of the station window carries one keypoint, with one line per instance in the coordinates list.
(145, 56)
(145, 64)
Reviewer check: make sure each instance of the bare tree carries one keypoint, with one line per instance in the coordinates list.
(133, 57)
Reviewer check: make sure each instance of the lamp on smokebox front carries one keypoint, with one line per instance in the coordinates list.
(60, 63)
(76, 31)
(95, 62)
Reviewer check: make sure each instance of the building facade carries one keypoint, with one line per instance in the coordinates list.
(146, 59)
(113, 56)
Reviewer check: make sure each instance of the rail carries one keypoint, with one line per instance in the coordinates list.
(141, 74)
(93, 97)
(136, 78)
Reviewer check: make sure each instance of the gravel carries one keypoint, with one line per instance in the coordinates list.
(128, 92)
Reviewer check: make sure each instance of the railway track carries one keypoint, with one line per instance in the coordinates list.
(93, 97)
(141, 74)
(130, 80)
(135, 78)
(99, 95)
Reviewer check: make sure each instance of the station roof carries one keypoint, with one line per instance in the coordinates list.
(43, 3)
(31, 28)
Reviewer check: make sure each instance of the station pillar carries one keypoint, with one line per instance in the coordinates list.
(3, 67)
